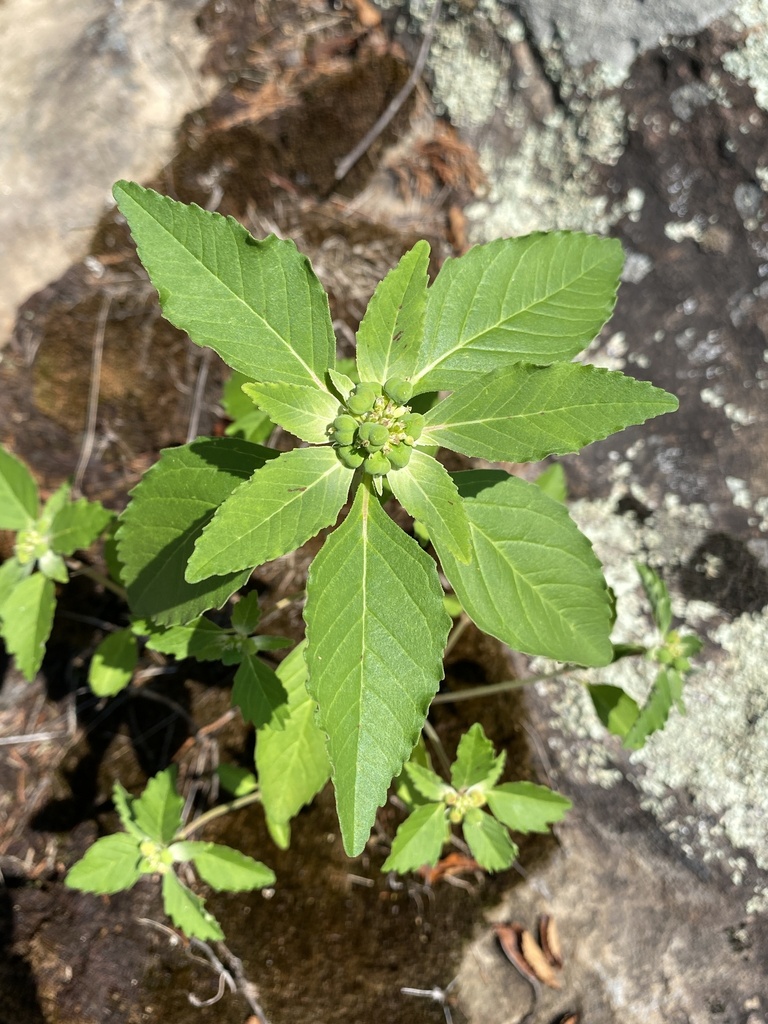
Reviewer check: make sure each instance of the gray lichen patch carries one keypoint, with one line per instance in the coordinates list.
(717, 753)
(750, 62)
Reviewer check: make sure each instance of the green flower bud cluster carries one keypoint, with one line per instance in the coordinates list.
(377, 429)
(460, 803)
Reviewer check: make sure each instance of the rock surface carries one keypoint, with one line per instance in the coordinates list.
(89, 92)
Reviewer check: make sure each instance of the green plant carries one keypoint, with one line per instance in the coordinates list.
(45, 537)
(497, 329)
(154, 842)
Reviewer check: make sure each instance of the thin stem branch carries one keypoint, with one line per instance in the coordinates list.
(461, 624)
(75, 565)
(349, 161)
(93, 396)
(502, 687)
(436, 742)
(218, 812)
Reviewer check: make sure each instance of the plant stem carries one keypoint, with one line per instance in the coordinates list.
(93, 574)
(218, 812)
(461, 624)
(502, 687)
(434, 739)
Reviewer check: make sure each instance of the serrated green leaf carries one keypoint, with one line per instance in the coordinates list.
(77, 525)
(113, 663)
(123, 802)
(403, 787)
(266, 642)
(12, 572)
(55, 503)
(170, 507)
(553, 483)
(426, 491)
(427, 782)
(341, 383)
(667, 690)
(533, 581)
(376, 631)
(27, 620)
(19, 500)
(110, 865)
(615, 708)
(419, 840)
(488, 840)
(390, 333)
(291, 763)
(223, 868)
(526, 807)
(476, 761)
(257, 303)
(658, 596)
(288, 501)
(236, 780)
(304, 411)
(524, 413)
(200, 639)
(188, 912)
(246, 614)
(157, 811)
(538, 299)
(259, 694)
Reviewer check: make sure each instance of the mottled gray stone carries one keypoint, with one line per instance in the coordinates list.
(89, 92)
(615, 33)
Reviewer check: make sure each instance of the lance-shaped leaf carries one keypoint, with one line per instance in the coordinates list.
(658, 596)
(170, 507)
(526, 807)
(667, 690)
(426, 491)
(257, 303)
(476, 761)
(12, 572)
(27, 617)
(304, 411)
(391, 331)
(376, 631)
(77, 525)
(188, 912)
(291, 762)
(113, 663)
(110, 865)
(427, 782)
(419, 840)
(18, 493)
(124, 802)
(158, 810)
(538, 299)
(200, 639)
(276, 511)
(488, 840)
(223, 868)
(524, 413)
(259, 693)
(533, 581)
(616, 709)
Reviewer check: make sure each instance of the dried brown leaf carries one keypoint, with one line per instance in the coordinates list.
(537, 961)
(549, 939)
(510, 940)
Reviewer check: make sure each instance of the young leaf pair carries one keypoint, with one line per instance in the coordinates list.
(44, 538)
(152, 844)
(497, 329)
(517, 806)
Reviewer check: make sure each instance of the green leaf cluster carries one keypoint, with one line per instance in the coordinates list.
(152, 844)
(498, 329)
(486, 810)
(619, 712)
(45, 536)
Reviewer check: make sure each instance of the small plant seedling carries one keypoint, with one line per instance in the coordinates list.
(497, 330)
(45, 537)
(153, 843)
